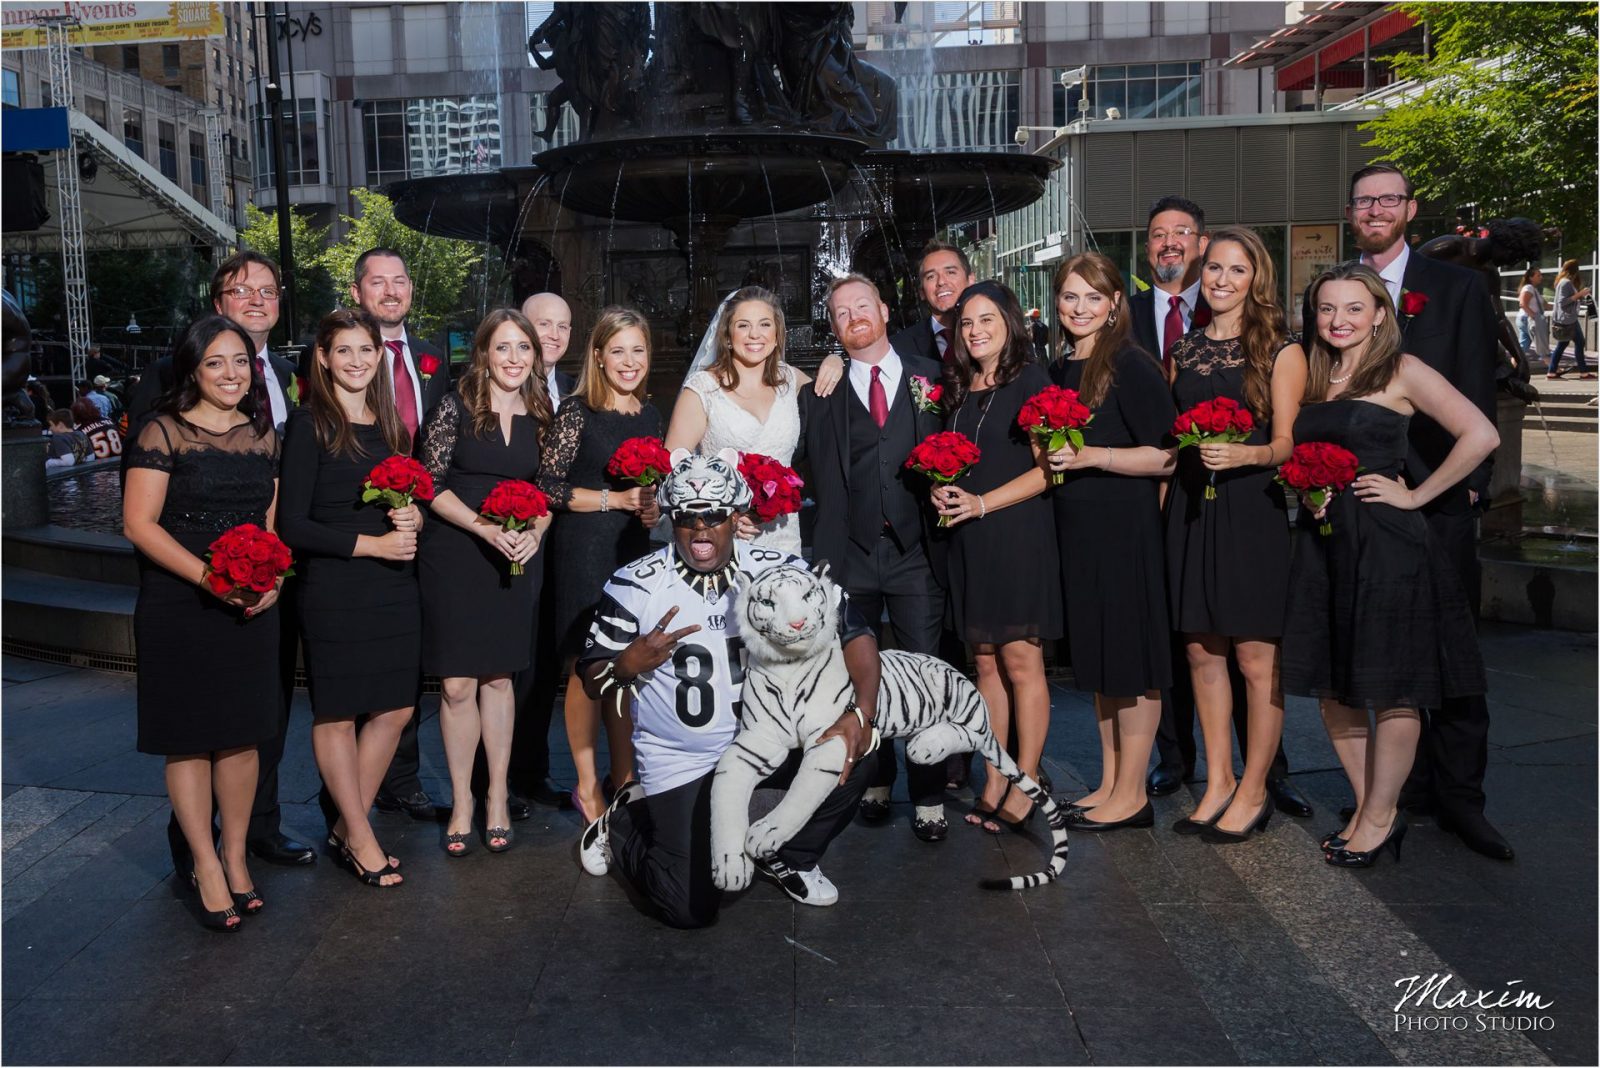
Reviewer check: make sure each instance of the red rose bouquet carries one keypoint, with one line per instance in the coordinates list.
(774, 487)
(1316, 470)
(247, 560)
(1057, 418)
(514, 504)
(925, 394)
(642, 461)
(943, 458)
(397, 482)
(1220, 420)
(428, 365)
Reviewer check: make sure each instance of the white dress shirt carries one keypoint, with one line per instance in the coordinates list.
(411, 366)
(1393, 275)
(278, 402)
(941, 336)
(553, 387)
(1162, 303)
(890, 371)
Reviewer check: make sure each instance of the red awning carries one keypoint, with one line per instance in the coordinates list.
(1302, 73)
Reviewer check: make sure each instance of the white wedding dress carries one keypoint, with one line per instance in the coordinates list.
(729, 426)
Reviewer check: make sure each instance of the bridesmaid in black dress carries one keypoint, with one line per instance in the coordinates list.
(600, 524)
(1378, 623)
(208, 666)
(1228, 557)
(360, 610)
(477, 616)
(996, 514)
(1108, 522)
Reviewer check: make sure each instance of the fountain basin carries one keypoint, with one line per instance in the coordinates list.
(743, 175)
(929, 190)
(469, 207)
(1541, 582)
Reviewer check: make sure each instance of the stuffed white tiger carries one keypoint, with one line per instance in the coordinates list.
(795, 688)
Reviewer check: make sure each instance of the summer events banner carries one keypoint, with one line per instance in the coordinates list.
(116, 23)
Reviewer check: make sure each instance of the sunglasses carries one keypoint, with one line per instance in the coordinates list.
(701, 520)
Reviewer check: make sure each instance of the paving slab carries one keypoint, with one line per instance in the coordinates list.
(1154, 948)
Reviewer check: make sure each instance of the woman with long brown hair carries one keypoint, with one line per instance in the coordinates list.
(360, 609)
(477, 615)
(1108, 524)
(1228, 551)
(996, 513)
(1378, 625)
(600, 524)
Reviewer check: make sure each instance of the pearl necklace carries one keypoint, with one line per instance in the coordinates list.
(1341, 381)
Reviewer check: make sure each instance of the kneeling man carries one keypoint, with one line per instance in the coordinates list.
(666, 630)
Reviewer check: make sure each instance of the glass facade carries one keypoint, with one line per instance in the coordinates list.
(167, 150)
(1137, 91)
(306, 159)
(970, 110)
(566, 130)
(431, 135)
(13, 90)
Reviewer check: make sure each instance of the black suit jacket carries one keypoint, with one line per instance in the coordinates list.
(157, 379)
(1454, 334)
(436, 385)
(917, 340)
(566, 383)
(826, 438)
(1141, 306)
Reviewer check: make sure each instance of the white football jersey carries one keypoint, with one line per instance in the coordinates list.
(687, 710)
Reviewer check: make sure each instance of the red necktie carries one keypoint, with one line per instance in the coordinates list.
(1171, 330)
(404, 399)
(877, 400)
(941, 338)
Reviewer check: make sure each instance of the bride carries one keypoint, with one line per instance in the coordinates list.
(740, 394)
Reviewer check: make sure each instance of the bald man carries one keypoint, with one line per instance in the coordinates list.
(536, 687)
(552, 321)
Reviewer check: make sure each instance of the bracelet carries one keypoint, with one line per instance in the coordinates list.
(607, 678)
(861, 717)
(605, 499)
(983, 509)
(1107, 467)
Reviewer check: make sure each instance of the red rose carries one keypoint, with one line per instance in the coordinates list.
(259, 552)
(1243, 421)
(238, 569)
(263, 577)
(935, 394)
(1413, 303)
(428, 364)
(1220, 420)
(220, 584)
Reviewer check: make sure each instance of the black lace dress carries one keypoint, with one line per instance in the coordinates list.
(1004, 571)
(1113, 569)
(477, 618)
(208, 677)
(1227, 558)
(589, 546)
(1377, 616)
(360, 619)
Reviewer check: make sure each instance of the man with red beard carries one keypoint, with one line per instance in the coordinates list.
(1448, 320)
(873, 520)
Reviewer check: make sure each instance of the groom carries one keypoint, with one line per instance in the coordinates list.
(872, 521)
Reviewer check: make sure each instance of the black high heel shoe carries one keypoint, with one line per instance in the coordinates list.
(215, 919)
(1189, 825)
(1366, 858)
(1333, 840)
(1217, 836)
(371, 878)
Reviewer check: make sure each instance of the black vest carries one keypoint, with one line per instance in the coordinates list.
(878, 492)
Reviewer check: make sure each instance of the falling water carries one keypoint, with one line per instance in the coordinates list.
(555, 222)
(777, 240)
(611, 229)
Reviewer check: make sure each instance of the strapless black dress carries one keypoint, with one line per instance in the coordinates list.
(1377, 615)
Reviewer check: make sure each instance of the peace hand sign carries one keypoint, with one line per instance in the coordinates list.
(653, 648)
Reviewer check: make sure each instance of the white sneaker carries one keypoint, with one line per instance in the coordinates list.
(807, 887)
(594, 848)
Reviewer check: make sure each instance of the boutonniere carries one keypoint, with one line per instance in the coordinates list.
(427, 364)
(1411, 304)
(297, 390)
(925, 394)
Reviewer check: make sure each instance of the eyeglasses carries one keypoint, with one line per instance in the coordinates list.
(1387, 200)
(1179, 232)
(715, 517)
(246, 292)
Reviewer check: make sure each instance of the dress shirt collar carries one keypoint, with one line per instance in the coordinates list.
(890, 371)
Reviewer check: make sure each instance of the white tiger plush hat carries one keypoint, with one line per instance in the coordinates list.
(703, 484)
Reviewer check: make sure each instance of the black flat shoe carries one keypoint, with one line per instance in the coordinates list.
(1189, 825)
(518, 808)
(1366, 858)
(1290, 801)
(417, 804)
(873, 810)
(1217, 836)
(543, 793)
(1145, 817)
(281, 849)
(1477, 833)
(1163, 781)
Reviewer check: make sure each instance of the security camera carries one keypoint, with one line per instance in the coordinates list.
(1021, 137)
(1072, 77)
(1113, 113)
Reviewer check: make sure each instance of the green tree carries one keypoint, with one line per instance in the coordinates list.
(1505, 119)
(440, 268)
(314, 294)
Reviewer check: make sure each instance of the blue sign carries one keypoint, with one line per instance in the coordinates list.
(34, 130)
